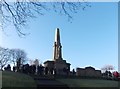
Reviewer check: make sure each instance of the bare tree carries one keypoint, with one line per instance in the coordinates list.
(13, 56)
(107, 68)
(4, 57)
(17, 54)
(107, 71)
(19, 11)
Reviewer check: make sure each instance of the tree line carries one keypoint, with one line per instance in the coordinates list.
(11, 56)
(18, 57)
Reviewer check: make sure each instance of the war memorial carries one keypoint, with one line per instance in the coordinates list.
(59, 66)
(56, 66)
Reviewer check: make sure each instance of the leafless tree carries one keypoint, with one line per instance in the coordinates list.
(13, 56)
(4, 57)
(19, 11)
(107, 68)
(17, 54)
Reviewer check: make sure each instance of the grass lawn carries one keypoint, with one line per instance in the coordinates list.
(13, 79)
(89, 83)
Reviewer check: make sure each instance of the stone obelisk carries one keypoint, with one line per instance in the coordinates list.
(57, 48)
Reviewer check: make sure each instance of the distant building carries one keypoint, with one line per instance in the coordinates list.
(88, 72)
(57, 65)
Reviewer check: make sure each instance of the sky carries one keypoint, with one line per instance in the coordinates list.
(89, 39)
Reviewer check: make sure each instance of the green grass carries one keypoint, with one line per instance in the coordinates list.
(13, 79)
(89, 82)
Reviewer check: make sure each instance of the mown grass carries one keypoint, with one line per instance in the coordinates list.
(13, 79)
(89, 82)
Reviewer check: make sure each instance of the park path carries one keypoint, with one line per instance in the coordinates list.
(49, 83)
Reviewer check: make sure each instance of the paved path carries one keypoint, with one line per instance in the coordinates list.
(47, 83)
